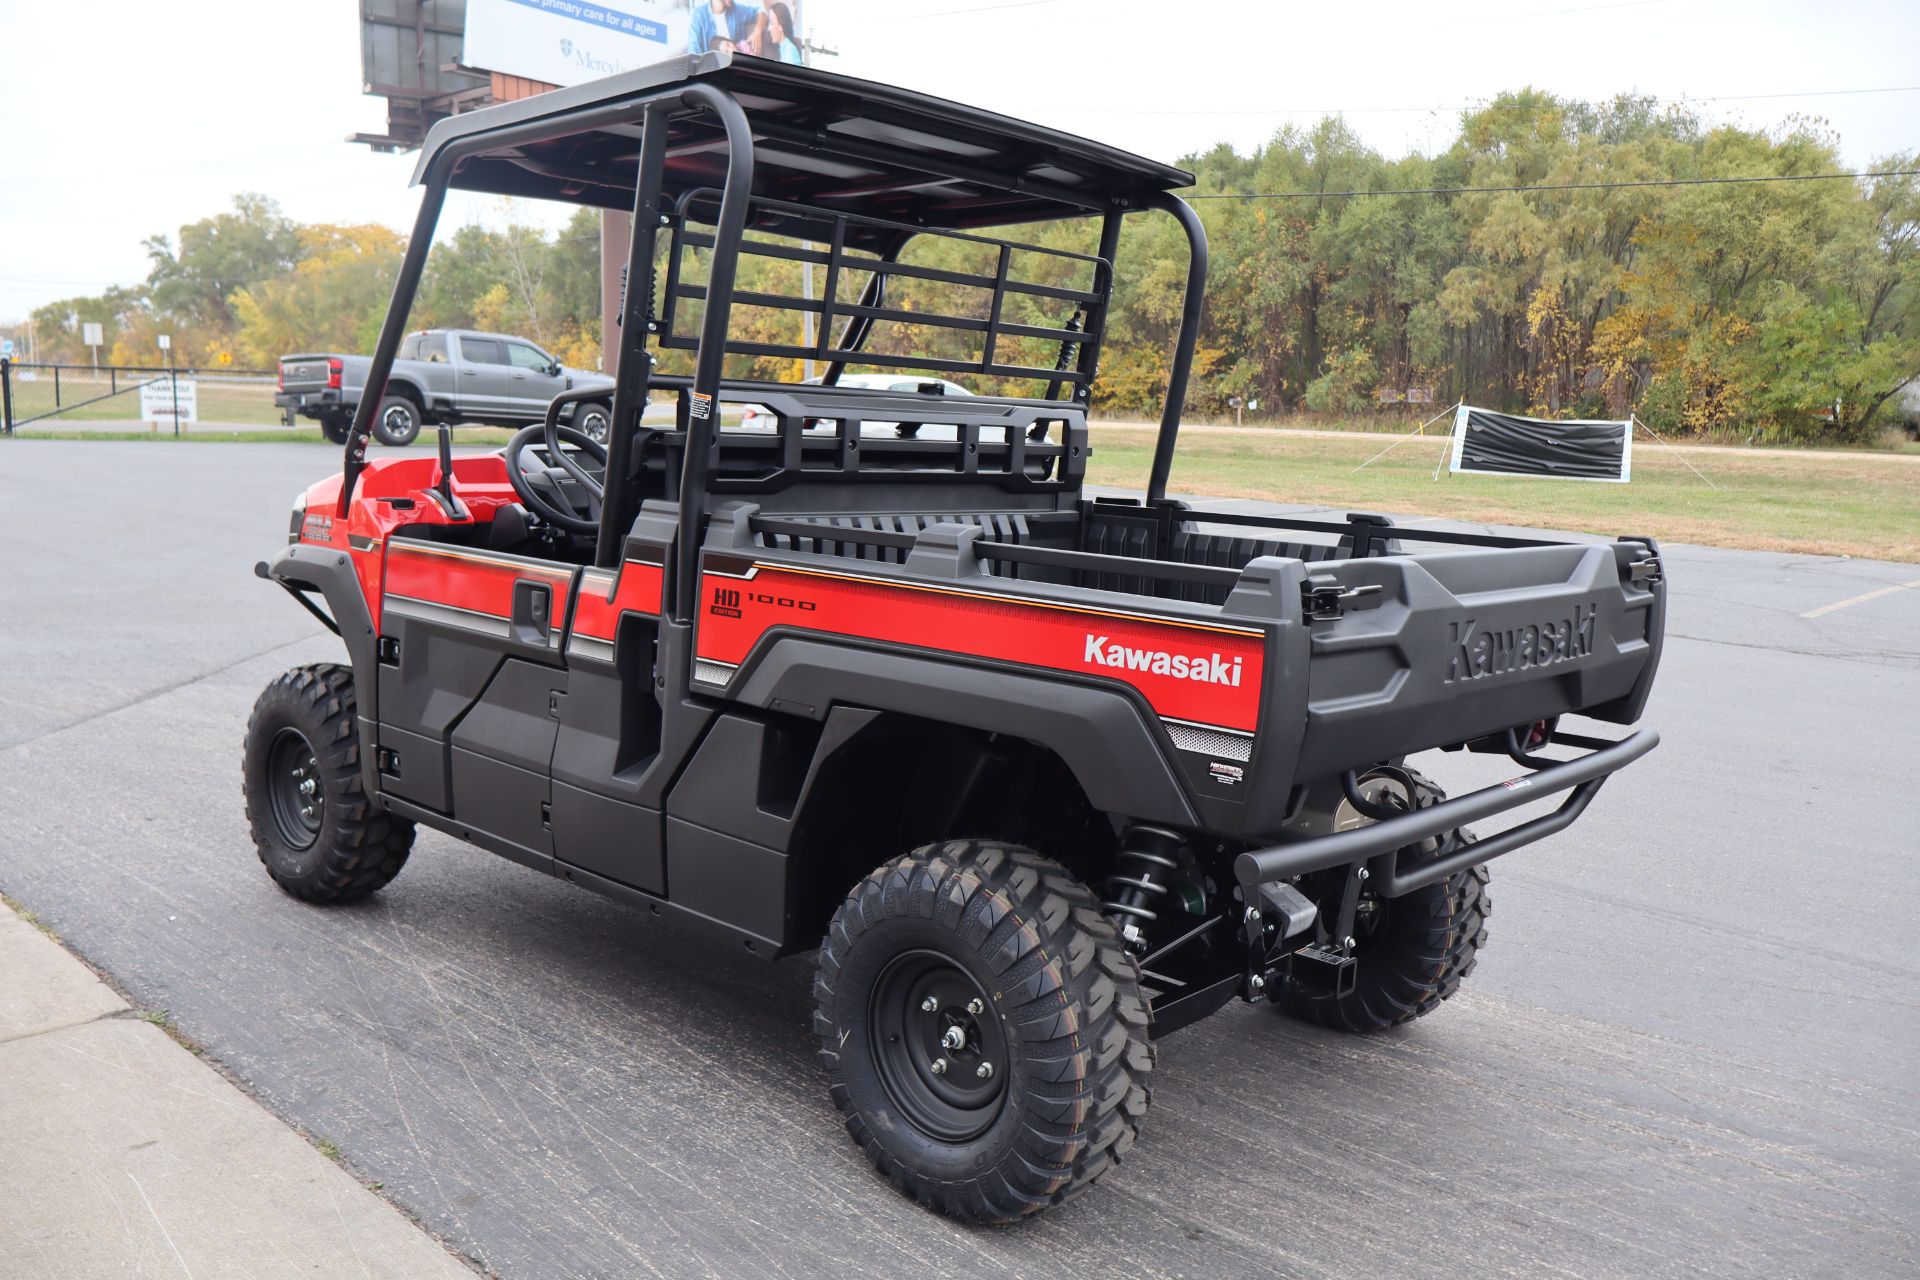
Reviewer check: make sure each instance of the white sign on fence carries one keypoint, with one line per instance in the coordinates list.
(157, 401)
(91, 334)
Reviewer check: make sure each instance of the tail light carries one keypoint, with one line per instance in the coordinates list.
(333, 374)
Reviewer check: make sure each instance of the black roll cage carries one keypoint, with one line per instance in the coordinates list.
(686, 92)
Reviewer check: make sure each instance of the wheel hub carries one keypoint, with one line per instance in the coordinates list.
(939, 1048)
(293, 783)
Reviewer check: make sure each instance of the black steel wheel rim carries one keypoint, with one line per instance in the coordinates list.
(925, 1009)
(294, 789)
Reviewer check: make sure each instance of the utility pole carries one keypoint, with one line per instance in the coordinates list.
(173, 380)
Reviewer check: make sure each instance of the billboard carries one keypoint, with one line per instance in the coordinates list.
(568, 41)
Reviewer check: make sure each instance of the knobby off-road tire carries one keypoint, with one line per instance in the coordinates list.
(327, 842)
(1063, 1029)
(1412, 955)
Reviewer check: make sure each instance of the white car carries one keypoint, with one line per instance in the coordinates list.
(755, 417)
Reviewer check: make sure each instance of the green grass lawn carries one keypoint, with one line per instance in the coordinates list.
(1827, 503)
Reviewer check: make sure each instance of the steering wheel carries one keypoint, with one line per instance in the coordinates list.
(542, 486)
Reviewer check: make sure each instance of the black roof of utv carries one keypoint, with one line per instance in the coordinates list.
(823, 140)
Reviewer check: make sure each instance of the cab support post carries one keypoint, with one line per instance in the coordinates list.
(1183, 349)
(399, 307)
(635, 366)
(703, 398)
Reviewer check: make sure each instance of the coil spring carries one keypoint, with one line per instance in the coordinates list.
(1132, 886)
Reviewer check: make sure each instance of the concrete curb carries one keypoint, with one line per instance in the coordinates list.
(123, 1154)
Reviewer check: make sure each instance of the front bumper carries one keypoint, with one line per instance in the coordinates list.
(1379, 844)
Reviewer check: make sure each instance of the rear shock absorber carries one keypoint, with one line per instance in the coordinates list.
(1143, 873)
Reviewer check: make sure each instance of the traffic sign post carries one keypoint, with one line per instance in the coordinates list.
(173, 379)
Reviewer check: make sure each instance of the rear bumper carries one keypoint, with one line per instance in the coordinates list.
(1378, 844)
(311, 402)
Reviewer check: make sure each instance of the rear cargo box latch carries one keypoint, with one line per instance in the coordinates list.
(1324, 596)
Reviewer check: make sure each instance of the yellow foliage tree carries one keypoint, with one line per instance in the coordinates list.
(333, 300)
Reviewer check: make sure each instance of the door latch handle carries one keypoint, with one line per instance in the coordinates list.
(532, 611)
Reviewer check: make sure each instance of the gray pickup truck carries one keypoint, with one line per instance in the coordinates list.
(442, 375)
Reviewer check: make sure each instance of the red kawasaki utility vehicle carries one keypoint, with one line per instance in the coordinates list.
(1040, 775)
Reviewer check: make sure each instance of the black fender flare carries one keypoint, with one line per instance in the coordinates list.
(330, 571)
(1101, 734)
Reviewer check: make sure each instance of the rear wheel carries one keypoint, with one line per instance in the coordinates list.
(398, 422)
(594, 421)
(983, 1029)
(318, 834)
(1410, 953)
(335, 427)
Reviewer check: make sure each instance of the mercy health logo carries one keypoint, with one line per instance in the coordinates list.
(1213, 669)
(584, 57)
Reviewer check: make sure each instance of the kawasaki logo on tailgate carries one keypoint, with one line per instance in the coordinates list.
(1478, 653)
(1213, 669)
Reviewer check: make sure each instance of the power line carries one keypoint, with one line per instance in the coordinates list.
(949, 13)
(1546, 186)
(1440, 106)
(1549, 13)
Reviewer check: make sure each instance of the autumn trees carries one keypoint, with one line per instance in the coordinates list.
(1557, 257)
(1774, 310)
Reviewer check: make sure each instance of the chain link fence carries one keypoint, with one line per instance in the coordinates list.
(68, 395)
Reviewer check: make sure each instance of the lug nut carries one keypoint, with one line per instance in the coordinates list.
(984, 1071)
(939, 1066)
(930, 1005)
(976, 1007)
(954, 1040)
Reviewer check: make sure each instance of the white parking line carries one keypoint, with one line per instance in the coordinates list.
(1838, 605)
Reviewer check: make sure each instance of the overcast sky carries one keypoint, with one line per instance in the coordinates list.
(120, 119)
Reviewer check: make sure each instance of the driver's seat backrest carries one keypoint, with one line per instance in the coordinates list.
(509, 528)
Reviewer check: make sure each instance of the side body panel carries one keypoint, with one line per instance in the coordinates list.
(606, 805)
(471, 685)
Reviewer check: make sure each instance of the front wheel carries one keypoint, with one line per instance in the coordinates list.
(983, 1029)
(398, 422)
(318, 834)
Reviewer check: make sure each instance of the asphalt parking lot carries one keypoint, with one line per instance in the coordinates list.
(1690, 1049)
